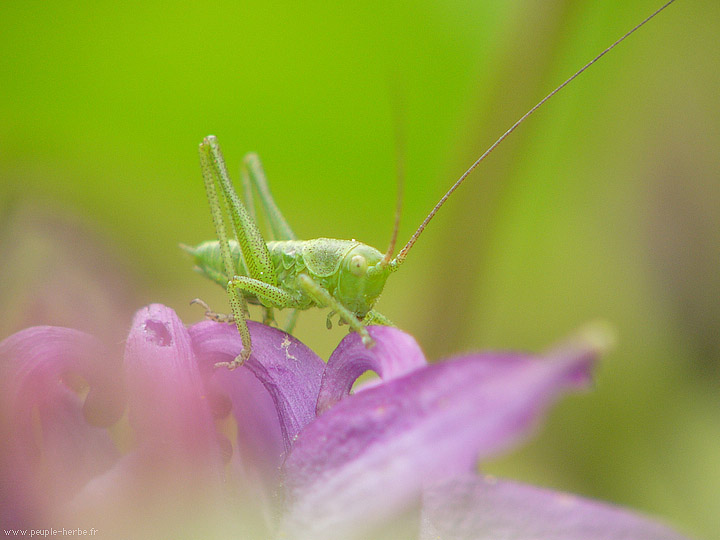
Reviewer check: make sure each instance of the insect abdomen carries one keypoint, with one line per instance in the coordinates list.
(208, 260)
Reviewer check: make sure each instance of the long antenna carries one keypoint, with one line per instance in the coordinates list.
(397, 261)
(400, 174)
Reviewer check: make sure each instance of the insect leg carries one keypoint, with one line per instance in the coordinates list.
(269, 295)
(238, 304)
(252, 244)
(216, 209)
(247, 193)
(324, 298)
(254, 173)
(213, 315)
(253, 177)
(291, 320)
(375, 317)
(268, 317)
(209, 167)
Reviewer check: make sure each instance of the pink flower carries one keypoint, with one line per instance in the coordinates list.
(278, 448)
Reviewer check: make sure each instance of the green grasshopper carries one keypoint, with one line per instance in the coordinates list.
(346, 276)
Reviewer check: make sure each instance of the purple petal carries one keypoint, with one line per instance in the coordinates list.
(42, 419)
(477, 508)
(149, 495)
(166, 401)
(176, 461)
(395, 354)
(368, 457)
(289, 371)
(260, 445)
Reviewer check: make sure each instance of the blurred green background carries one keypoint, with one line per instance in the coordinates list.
(603, 205)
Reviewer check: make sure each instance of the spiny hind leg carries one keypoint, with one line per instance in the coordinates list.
(324, 298)
(252, 244)
(240, 313)
(269, 295)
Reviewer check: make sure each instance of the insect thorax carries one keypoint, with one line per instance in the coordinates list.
(328, 262)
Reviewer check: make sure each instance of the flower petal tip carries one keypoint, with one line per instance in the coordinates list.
(600, 336)
(394, 355)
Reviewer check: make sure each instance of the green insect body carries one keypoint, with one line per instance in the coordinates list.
(341, 267)
(344, 275)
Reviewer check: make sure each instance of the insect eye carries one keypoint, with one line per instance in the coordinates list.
(358, 265)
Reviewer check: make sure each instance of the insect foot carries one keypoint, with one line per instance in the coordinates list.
(366, 339)
(239, 360)
(213, 315)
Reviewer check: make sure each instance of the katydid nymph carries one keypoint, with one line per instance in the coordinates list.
(345, 276)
